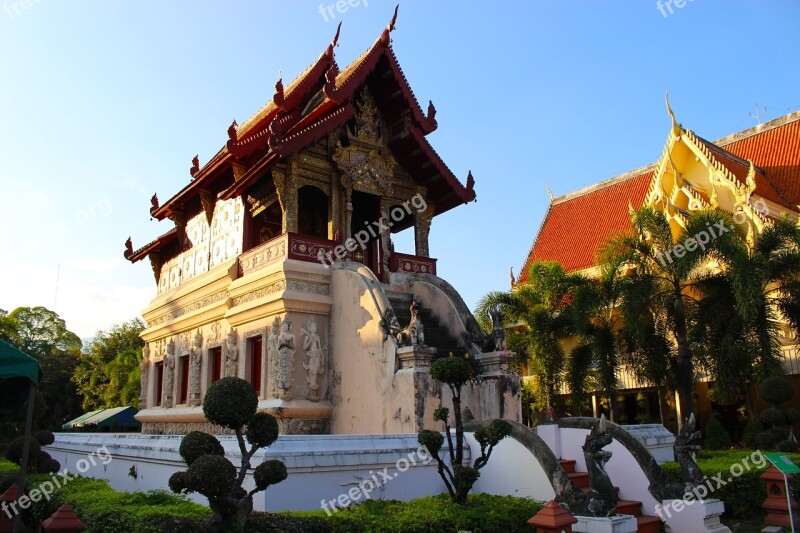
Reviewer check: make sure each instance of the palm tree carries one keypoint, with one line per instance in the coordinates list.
(542, 304)
(663, 272)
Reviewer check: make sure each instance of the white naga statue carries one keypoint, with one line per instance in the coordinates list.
(315, 365)
(286, 350)
(274, 357)
(231, 355)
(196, 362)
(169, 374)
(145, 366)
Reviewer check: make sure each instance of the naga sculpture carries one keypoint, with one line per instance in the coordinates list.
(686, 446)
(601, 500)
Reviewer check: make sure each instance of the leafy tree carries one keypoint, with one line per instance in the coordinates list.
(663, 275)
(716, 436)
(231, 403)
(42, 334)
(542, 304)
(108, 373)
(458, 477)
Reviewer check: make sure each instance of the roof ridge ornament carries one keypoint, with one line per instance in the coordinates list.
(195, 166)
(470, 181)
(676, 129)
(233, 134)
(549, 192)
(334, 43)
(385, 40)
(279, 98)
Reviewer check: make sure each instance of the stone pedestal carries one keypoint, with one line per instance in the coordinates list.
(696, 516)
(495, 363)
(621, 523)
(418, 356)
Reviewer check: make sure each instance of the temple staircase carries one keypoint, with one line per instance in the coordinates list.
(645, 524)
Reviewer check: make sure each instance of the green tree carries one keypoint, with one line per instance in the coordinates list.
(542, 304)
(107, 375)
(664, 268)
(42, 334)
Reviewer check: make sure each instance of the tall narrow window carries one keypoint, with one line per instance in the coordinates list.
(184, 373)
(159, 382)
(254, 351)
(215, 356)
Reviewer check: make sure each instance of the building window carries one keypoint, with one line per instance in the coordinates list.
(215, 357)
(254, 345)
(159, 382)
(183, 367)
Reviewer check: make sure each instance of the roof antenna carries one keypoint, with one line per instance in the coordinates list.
(758, 114)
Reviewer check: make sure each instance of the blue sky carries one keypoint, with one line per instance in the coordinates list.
(103, 103)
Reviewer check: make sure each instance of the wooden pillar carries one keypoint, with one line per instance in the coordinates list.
(348, 218)
(595, 406)
(386, 236)
(422, 228)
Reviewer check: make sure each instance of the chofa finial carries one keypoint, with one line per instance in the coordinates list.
(676, 129)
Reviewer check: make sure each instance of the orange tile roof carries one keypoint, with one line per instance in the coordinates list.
(775, 149)
(578, 224)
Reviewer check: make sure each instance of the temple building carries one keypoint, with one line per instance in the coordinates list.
(753, 174)
(279, 267)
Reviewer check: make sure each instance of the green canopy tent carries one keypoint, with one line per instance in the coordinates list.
(19, 375)
(105, 419)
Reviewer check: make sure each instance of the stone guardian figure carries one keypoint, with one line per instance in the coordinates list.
(169, 375)
(315, 365)
(286, 349)
(195, 363)
(231, 355)
(273, 357)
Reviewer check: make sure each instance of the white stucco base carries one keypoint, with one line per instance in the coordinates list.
(620, 523)
(694, 516)
(320, 466)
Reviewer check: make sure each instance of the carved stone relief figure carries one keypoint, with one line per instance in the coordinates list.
(273, 357)
(286, 349)
(169, 374)
(196, 362)
(231, 355)
(145, 366)
(315, 365)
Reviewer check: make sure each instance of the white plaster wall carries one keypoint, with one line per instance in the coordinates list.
(512, 470)
(622, 468)
(320, 467)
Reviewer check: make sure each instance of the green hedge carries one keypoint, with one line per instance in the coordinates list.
(744, 494)
(105, 510)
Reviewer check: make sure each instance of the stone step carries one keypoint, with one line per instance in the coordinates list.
(649, 524)
(581, 479)
(629, 507)
(568, 465)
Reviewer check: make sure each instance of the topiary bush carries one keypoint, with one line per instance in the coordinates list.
(232, 403)
(778, 422)
(38, 460)
(459, 477)
(752, 429)
(717, 437)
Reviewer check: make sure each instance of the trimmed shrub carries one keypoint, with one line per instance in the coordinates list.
(196, 444)
(776, 390)
(230, 403)
(716, 437)
(14, 452)
(752, 429)
(269, 473)
(45, 438)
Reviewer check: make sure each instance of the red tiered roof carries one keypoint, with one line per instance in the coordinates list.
(776, 150)
(576, 226)
(315, 104)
